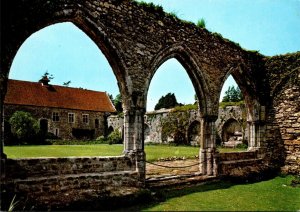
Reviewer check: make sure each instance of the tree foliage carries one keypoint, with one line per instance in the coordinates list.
(118, 103)
(167, 101)
(24, 127)
(174, 127)
(233, 95)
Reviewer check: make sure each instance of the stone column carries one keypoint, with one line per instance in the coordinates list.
(133, 139)
(256, 129)
(208, 145)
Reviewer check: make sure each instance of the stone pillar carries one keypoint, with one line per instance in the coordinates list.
(208, 146)
(256, 129)
(133, 139)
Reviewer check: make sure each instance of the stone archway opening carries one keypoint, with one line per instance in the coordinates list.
(171, 127)
(194, 133)
(232, 134)
(66, 53)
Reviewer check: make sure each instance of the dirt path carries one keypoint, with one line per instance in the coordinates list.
(155, 171)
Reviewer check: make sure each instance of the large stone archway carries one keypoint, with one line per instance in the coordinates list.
(136, 40)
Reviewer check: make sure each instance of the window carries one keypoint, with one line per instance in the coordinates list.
(85, 118)
(55, 116)
(56, 132)
(71, 117)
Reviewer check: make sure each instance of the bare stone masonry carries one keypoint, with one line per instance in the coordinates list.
(136, 40)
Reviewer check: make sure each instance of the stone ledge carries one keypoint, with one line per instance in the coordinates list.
(73, 176)
(240, 161)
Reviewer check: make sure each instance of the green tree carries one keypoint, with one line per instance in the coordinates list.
(167, 101)
(24, 127)
(233, 95)
(118, 103)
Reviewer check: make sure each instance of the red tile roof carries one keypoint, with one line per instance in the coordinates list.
(36, 94)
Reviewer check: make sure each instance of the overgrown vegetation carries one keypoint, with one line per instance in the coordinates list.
(226, 104)
(150, 6)
(24, 129)
(201, 23)
(183, 108)
(174, 127)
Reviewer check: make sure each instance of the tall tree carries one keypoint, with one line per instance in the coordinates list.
(167, 101)
(118, 103)
(233, 95)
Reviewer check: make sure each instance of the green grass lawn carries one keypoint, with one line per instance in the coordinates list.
(153, 152)
(271, 195)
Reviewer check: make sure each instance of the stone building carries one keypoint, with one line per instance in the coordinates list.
(68, 113)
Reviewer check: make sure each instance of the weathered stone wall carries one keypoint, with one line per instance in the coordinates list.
(154, 119)
(283, 130)
(64, 127)
(241, 166)
(136, 40)
(70, 179)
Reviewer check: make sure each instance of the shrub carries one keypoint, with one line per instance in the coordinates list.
(115, 138)
(24, 128)
(242, 146)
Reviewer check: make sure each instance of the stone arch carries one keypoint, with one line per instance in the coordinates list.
(57, 13)
(232, 131)
(194, 133)
(254, 103)
(185, 57)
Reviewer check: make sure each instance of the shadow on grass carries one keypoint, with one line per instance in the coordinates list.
(153, 197)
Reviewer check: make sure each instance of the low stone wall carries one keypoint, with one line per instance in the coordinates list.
(37, 167)
(239, 165)
(52, 183)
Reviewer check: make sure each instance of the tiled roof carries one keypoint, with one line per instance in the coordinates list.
(36, 94)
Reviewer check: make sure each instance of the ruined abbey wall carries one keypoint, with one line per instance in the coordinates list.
(154, 121)
(136, 40)
(284, 111)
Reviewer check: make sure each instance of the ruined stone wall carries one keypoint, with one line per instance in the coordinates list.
(70, 179)
(64, 127)
(154, 119)
(116, 122)
(283, 128)
(240, 165)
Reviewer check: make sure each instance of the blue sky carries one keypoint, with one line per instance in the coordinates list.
(270, 26)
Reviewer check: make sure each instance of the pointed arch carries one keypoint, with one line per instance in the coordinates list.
(95, 31)
(186, 59)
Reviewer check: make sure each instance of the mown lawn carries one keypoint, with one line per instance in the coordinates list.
(153, 152)
(271, 195)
